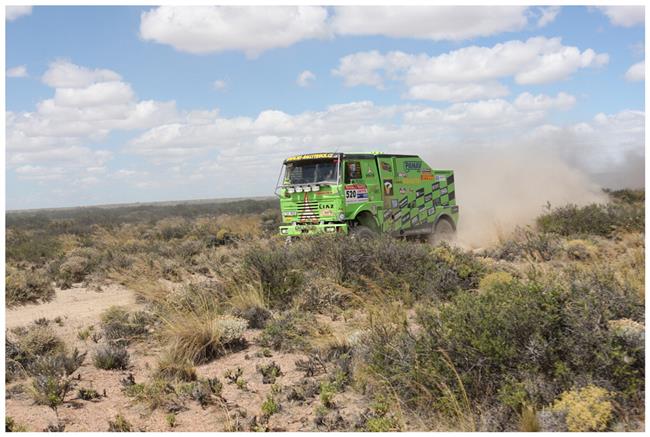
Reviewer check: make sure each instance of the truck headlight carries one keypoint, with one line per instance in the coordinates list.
(284, 231)
(341, 216)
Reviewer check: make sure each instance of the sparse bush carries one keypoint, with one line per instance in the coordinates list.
(594, 219)
(121, 326)
(156, 394)
(270, 406)
(12, 426)
(269, 372)
(172, 367)
(111, 357)
(202, 337)
(88, 394)
(203, 391)
(579, 250)
(27, 286)
(249, 304)
(119, 424)
(587, 409)
(52, 377)
(27, 346)
(289, 331)
(171, 420)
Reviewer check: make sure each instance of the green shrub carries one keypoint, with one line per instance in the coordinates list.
(270, 406)
(88, 394)
(52, 377)
(111, 357)
(27, 286)
(289, 331)
(269, 372)
(36, 246)
(12, 426)
(26, 346)
(119, 424)
(121, 326)
(594, 219)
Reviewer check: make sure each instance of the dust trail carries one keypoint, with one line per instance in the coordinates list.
(498, 189)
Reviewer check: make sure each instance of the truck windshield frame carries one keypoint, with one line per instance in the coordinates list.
(310, 172)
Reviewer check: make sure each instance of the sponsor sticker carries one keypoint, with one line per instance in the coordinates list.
(386, 167)
(406, 217)
(428, 197)
(431, 210)
(402, 190)
(415, 220)
(356, 193)
(454, 208)
(312, 156)
(426, 177)
(402, 175)
(388, 187)
(403, 202)
(387, 214)
(393, 203)
(443, 191)
(326, 212)
(419, 193)
(435, 186)
(440, 177)
(421, 207)
(289, 213)
(412, 165)
(397, 215)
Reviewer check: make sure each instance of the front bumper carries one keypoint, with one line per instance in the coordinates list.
(310, 229)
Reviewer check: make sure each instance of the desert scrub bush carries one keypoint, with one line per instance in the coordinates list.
(119, 424)
(52, 377)
(36, 247)
(155, 394)
(111, 357)
(527, 243)
(205, 391)
(121, 326)
(27, 286)
(580, 250)
(269, 372)
(626, 195)
(270, 406)
(290, 331)
(248, 303)
(88, 394)
(586, 409)
(594, 219)
(23, 346)
(272, 266)
(173, 367)
(202, 337)
(12, 426)
(77, 265)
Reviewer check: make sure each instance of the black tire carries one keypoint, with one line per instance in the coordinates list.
(443, 231)
(362, 233)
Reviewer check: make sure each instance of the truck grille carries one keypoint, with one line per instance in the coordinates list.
(307, 211)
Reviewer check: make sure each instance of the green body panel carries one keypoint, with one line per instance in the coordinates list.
(396, 194)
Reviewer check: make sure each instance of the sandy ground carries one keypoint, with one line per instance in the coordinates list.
(80, 307)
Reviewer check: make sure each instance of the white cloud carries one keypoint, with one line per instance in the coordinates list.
(219, 85)
(14, 12)
(428, 22)
(305, 78)
(636, 72)
(470, 72)
(251, 29)
(457, 92)
(19, 71)
(64, 74)
(625, 16)
(528, 102)
(547, 15)
(87, 105)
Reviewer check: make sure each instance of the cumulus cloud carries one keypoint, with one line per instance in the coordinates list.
(14, 12)
(19, 71)
(470, 72)
(625, 16)
(251, 29)
(527, 101)
(87, 105)
(305, 78)
(428, 22)
(636, 72)
(547, 15)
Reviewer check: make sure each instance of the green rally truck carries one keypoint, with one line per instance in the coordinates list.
(363, 194)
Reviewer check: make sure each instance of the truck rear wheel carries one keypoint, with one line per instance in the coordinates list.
(362, 233)
(443, 231)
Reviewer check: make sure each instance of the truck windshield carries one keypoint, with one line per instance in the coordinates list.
(311, 172)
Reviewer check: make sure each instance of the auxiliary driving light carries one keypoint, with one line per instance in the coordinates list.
(291, 190)
(342, 216)
(330, 229)
(315, 188)
(307, 189)
(284, 231)
(298, 189)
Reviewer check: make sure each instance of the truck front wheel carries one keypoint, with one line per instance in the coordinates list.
(362, 233)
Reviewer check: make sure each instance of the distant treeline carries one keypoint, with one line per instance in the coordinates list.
(72, 220)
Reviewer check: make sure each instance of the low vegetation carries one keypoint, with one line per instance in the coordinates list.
(543, 331)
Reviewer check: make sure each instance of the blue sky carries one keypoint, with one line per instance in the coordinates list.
(124, 104)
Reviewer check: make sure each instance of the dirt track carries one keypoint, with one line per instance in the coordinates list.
(78, 305)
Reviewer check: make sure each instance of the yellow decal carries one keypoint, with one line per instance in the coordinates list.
(312, 156)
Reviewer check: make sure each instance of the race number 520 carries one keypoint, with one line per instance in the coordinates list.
(350, 194)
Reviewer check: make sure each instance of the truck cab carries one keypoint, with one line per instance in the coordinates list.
(364, 193)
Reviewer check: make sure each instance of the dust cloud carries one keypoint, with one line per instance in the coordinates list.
(501, 188)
